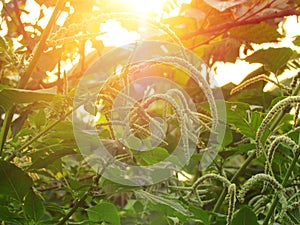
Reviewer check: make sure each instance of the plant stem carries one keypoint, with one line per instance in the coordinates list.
(284, 182)
(74, 208)
(6, 124)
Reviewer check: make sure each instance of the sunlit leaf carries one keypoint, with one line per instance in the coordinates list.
(226, 50)
(2, 44)
(272, 58)
(256, 33)
(13, 181)
(297, 41)
(223, 5)
(11, 96)
(48, 60)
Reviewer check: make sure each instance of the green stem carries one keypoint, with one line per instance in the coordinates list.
(5, 128)
(73, 210)
(284, 182)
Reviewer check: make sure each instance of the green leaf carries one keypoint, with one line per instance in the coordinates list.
(255, 33)
(2, 43)
(163, 201)
(33, 206)
(245, 216)
(274, 59)
(226, 50)
(297, 41)
(13, 181)
(7, 216)
(9, 96)
(48, 60)
(104, 212)
(200, 214)
(227, 139)
(49, 159)
(152, 156)
(39, 119)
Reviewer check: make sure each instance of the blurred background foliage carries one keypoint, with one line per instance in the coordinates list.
(43, 178)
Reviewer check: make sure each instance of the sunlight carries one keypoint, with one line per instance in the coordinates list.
(116, 35)
(146, 6)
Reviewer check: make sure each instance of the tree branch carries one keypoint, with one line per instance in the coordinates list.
(226, 26)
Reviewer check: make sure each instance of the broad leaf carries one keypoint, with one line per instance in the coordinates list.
(274, 59)
(152, 156)
(223, 5)
(200, 214)
(13, 181)
(160, 200)
(104, 212)
(245, 216)
(245, 121)
(297, 41)
(38, 119)
(256, 33)
(33, 206)
(226, 50)
(48, 60)
(49, 159)
(11, 96)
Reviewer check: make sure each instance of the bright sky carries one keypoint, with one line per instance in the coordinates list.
(116, 35)
(229, 72)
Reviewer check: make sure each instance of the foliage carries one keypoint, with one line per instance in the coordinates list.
(44, 179)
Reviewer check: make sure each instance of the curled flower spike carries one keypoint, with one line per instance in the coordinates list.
(293, 206)
(284, 205)
(232, 201)
(297, 109)
(269, 117)
(295, 80)
(198, 76)
(275, 143)
(200, 180)
(254, 180)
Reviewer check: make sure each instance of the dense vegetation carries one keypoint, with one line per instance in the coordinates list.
(47, 178)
